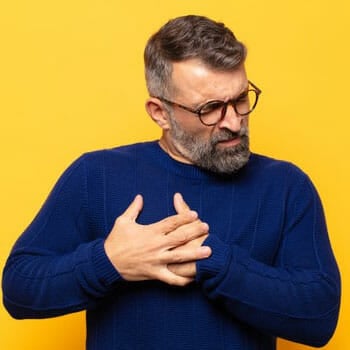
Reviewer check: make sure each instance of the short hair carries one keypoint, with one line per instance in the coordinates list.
(189, 37)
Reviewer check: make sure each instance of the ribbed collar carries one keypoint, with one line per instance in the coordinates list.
(181, 169)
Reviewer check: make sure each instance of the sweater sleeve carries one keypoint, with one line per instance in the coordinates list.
(55, 267)
(298, 296)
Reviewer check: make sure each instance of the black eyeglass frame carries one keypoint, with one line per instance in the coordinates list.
(224, 105)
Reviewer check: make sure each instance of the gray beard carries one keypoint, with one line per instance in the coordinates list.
(206, 154)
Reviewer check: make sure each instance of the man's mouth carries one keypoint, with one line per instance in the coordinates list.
(229, 142)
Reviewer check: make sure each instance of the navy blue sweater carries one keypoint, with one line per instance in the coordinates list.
(272, 272)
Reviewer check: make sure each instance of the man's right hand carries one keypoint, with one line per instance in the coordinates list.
(143, 252)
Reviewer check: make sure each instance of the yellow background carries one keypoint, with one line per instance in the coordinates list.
(71, 80)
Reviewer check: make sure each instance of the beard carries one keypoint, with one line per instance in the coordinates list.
(207, 155)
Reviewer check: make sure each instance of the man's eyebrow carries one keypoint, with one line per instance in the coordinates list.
(242, 92)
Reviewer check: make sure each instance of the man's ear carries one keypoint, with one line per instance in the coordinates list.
(157, 112)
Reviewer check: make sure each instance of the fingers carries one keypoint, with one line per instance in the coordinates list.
(171, 223)
(184, 260)
(171, 278)
(144, 252)
(184, 269)
(133, 210)
(178, 256)
(187, 233)
(179, 204)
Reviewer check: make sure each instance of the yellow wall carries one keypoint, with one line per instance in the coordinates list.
(71, 80)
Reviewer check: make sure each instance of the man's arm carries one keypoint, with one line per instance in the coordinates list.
(298, 297)
(56, 268)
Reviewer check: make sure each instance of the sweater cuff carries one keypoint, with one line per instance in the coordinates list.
(105, 271)
(217, 262)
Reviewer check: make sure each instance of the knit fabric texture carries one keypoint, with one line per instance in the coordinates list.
(271, 274)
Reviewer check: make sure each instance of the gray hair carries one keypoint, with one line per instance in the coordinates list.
(189, 37)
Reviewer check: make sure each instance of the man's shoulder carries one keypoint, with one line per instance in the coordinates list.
(123, 152)
(121, 157)
(270, 166)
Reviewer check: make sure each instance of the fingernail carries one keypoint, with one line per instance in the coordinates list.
(205, 227)
(193, 214)
(206, 251)
(177, 194)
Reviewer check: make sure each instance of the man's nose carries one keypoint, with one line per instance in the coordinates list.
(231, 120)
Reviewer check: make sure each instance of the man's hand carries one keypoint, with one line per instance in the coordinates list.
(186, 269)
(144, 252)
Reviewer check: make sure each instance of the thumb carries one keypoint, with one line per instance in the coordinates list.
(179, 204)
(133, 210)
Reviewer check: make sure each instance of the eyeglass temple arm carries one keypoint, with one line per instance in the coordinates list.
(254, 86)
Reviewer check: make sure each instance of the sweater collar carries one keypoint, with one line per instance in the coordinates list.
(183, 169)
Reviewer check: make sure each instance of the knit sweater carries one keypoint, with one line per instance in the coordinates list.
(271, 274)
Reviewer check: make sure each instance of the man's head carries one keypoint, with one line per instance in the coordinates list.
(189, 37)
(199, 93)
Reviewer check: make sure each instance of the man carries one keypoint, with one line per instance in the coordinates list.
(192, 242)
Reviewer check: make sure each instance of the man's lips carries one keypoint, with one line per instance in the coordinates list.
(232, 141)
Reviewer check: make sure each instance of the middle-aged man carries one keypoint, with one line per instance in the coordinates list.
(189, 242)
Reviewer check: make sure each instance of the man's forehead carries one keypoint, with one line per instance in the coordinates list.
(194, 66)
(197, 81)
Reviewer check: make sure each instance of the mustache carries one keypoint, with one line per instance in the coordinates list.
(226, 135)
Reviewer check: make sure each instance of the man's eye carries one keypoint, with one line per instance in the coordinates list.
(243, 98)
(211, 107)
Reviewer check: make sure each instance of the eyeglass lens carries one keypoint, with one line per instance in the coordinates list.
(213, 112)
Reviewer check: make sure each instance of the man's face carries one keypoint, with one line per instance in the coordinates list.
(222, 148)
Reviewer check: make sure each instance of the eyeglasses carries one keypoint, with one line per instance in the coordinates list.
(214, 111)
